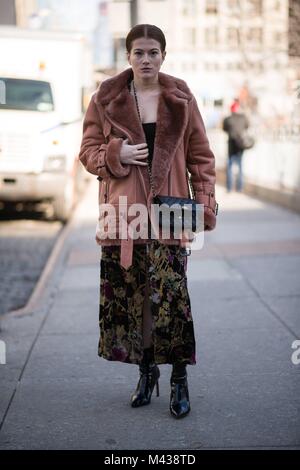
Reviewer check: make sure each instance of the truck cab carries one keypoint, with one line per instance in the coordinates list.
(41, 112)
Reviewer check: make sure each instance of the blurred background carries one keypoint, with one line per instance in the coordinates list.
(241, 59)
(247, 50)
(55, 53)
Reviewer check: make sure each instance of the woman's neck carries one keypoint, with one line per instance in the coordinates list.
(141, 85)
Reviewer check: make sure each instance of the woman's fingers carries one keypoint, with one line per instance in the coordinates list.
(140, 146)
(136, 162)
(141, 154)
(138, 158)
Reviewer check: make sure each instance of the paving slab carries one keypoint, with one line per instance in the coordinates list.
(56, 393)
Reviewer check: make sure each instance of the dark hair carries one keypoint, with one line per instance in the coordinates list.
(145, 31)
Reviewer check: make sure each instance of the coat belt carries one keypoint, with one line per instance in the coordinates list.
(126, 256)
(127, 250)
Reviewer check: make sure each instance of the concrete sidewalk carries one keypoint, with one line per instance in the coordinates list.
(56, 393)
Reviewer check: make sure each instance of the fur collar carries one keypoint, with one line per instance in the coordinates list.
(111, 87)
(172, 117)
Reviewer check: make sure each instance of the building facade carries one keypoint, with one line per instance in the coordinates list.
(223, 48)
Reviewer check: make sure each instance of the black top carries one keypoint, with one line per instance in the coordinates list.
(149, 130)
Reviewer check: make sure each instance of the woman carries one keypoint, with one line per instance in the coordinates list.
(141, 120)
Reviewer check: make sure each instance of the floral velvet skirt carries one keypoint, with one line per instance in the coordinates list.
(121, 305)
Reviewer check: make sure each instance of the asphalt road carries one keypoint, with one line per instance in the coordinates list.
(26, 240)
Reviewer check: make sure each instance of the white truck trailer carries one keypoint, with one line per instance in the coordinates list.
(46, 79)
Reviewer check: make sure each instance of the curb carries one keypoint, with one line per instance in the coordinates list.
(39, 288)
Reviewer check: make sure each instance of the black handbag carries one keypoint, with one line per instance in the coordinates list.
(181, 213)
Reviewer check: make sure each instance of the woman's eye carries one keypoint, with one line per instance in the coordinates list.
(139, 53)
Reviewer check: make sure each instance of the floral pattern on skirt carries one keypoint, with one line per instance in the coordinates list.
(121, 305)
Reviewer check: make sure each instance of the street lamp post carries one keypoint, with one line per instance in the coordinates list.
(133, 12)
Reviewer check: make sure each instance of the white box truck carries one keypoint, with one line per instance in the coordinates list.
(46, 79)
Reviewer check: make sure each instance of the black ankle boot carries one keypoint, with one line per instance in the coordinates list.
(179, 398)
(149, 375)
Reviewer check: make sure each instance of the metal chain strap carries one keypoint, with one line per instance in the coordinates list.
(148, 166)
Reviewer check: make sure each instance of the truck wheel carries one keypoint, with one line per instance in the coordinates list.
(63, 205)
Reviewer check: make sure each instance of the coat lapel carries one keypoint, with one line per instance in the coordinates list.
(172, 118)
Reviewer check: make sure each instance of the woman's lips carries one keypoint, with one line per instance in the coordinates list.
(146, 70)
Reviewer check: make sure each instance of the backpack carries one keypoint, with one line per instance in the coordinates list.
(244, 140)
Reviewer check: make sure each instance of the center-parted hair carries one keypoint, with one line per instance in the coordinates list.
(146, 31)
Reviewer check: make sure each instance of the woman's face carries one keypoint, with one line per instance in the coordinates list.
(145, 54)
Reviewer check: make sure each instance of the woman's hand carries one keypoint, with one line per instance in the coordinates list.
(133, 154)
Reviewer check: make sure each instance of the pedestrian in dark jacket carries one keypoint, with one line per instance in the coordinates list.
(235, 125)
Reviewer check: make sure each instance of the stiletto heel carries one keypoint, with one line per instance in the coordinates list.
(179, 398)
(149, 375)
(148, 379)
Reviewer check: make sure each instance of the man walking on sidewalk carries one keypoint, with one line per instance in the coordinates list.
(235, 125)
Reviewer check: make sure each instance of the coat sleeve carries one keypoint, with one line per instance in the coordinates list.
(98, 157)
(201, 165)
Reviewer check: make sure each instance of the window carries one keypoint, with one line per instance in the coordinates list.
(27, 95)
(189, 8)
(279, 37)
(257, 66)
(211, 7)
(218, 103)
(233, 4)
(277, 5)
(254, 35)
(232, 36)
(255, 7)
(211, 36)
(190, 36)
